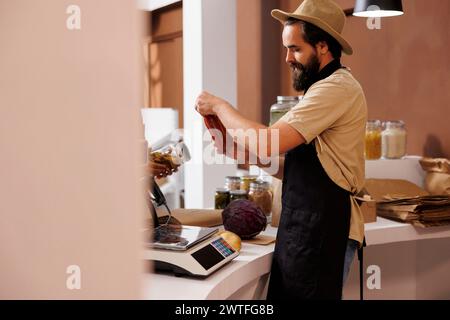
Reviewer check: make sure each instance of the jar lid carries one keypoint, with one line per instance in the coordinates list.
(238, 192)
(182, 152)
(259, 184)
(222, 190)
(392, 124)
(287, 98)
(373, 124)
(281, 107)
(249, 178)
(233, 178)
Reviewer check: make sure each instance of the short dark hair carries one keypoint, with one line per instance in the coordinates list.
(313, 35)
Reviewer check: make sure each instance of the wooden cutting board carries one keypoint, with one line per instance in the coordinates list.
(196, 217)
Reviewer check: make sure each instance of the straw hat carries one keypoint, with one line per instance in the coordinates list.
(325, 14)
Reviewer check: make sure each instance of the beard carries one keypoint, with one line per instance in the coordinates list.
(304, 75)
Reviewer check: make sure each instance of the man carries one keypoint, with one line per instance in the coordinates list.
(323, 142)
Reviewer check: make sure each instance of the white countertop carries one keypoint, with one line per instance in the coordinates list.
(386, 231)
(254, 262)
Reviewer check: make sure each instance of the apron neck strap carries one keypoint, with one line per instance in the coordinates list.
(326, 71)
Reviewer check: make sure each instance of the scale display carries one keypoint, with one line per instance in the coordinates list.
(213, 253)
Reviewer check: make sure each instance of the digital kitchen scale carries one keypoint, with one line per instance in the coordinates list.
(186, 250)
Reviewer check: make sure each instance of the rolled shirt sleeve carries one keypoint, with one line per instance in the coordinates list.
(323, 105)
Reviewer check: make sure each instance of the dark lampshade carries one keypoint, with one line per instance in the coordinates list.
(378, 8)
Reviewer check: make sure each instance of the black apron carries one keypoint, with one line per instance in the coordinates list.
(308, 260)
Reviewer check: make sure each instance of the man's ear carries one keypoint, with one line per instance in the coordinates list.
(322, 48)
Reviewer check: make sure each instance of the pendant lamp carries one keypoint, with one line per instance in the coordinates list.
(378, 8)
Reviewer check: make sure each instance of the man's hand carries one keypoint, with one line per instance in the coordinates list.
(159, 170)
(206, 104)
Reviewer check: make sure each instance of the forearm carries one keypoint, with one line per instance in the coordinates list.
(233, 120)
(252, 136)
(274, 168)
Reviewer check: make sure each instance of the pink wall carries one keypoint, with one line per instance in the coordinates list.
(69, 142)
(404, 69)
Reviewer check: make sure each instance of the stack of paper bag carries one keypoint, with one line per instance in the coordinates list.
(421, 211)
(404, 201)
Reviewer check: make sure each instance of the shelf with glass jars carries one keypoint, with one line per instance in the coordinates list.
(386, 140)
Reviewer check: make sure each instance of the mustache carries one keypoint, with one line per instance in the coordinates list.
(297, 66)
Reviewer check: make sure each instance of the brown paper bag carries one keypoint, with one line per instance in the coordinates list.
(193, 217)
(437, 181)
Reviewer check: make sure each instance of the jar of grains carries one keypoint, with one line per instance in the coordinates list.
(373, 140)
(393, 140)
(232, 183)
(261, 195)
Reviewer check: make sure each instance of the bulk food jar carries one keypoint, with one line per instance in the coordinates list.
(238, 195)
(245, 182)
(232, 183)
(171, 154)
(283, 105)
(221, 198)
(394, 140)
(373, 140)
(261, 195)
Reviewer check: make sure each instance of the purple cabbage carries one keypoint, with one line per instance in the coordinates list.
(244, 218)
